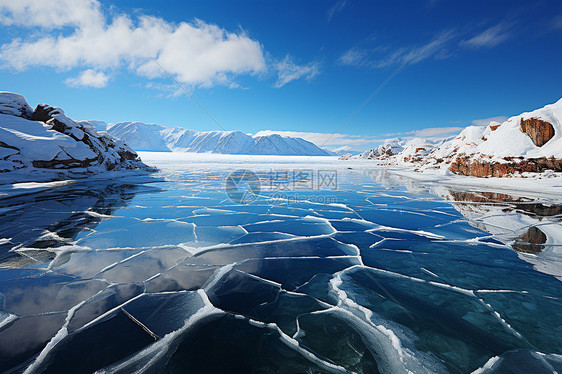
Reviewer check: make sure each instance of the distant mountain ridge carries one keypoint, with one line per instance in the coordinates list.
(152, 137)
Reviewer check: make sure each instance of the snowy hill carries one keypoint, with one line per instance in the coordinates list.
(398, 151)
(45, 140)
(151, 137)
(528, 143)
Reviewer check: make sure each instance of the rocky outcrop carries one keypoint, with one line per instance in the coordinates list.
(45, 138)
(538, 130)
(482, 168)
(14, 105)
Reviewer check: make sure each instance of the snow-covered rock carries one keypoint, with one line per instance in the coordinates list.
(14, 105)
(151, 137)
(529, 142)
(390, 147)
(45, 139)
(398, 151)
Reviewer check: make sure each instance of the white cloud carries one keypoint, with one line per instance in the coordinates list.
(489, 38)
(89, 78)
(288, 71)
(337, 7)
(195, 53)
(324, 139)
(49, 14)
(486, 121)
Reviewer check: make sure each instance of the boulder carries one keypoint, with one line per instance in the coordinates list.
(538, 130)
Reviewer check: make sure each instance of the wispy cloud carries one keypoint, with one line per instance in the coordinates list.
(486, 121)
(355, 57)
(288, 71)
(420, 53)
(89, 78)
(337, 7)
(490, 37)
(435, 48)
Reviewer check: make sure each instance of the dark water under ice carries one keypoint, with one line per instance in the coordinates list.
(166, 274)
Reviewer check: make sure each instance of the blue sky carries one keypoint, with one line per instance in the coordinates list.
(295, 66)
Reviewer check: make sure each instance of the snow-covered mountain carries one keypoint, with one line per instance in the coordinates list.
(45, 141)
(530, 142)
(151, 137)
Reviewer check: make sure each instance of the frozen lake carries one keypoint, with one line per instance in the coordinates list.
(295, 265)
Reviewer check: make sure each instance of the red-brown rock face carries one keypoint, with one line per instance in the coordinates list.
(539, 131)
(483, 169)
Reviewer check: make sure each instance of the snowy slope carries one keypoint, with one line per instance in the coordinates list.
(151, 137)
(45, 139)
(500, 143)
(139, 136)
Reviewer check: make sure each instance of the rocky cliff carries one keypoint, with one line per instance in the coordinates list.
(45, 139)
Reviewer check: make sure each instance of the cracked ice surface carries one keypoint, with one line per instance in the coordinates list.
(168, 275)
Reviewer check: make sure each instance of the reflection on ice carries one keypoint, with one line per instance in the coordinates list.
(167, 276)
(530, 227)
